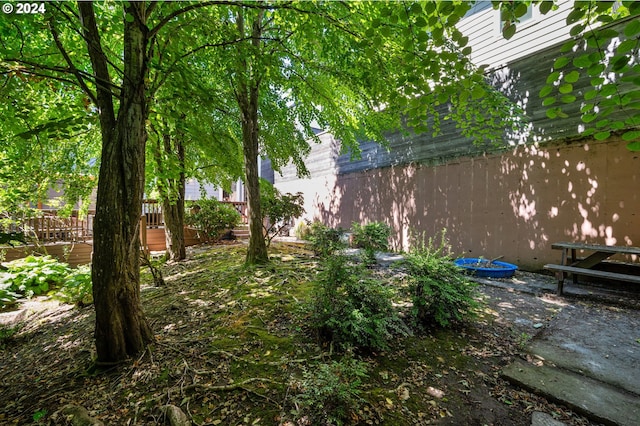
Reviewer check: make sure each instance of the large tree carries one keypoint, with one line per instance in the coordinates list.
(107, 54)
(190, 135)
(354, 68)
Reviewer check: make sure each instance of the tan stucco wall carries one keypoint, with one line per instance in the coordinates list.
(513, 204)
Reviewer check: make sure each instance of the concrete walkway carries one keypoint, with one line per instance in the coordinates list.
(588, 356)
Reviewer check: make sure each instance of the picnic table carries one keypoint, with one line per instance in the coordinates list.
(595, 255)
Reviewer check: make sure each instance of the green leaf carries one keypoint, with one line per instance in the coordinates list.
(627, 46)
(560, 62)
(609, 89)
(129, 17)
(605, 19)
(565, 88)
(567, 99)
(631, 135)
(606, 34)
(546, 6)
(553, 77)
(582, 61)
(421, 22)
(620, 63)
(478, 92)
(591, 94)
(552, 113)
(602, 135)
(520, 10)
(575, 16)
(548, 101)
(572, 77)
(545, 91)
(634, 146)
(632, 28)
(509, 30)
(577, 29)
(568, 46)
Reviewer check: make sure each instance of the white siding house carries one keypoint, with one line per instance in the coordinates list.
(483, 27)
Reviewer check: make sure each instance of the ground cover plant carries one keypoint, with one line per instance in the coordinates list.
(35, 275)
(237, 346)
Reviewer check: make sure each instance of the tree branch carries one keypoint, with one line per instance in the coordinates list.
(73, 69)
(104, 98)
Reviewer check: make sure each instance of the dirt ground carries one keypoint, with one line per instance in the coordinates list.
(230, 347)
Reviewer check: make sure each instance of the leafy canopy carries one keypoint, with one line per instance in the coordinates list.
(599, 67)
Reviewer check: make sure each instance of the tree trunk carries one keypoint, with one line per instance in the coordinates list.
(247, 94)
(257, 250)
(172, 193)
(121, 327)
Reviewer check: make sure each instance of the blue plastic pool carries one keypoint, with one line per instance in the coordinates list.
(499, 269)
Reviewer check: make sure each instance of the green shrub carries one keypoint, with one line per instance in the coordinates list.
(279, 209)
(330, 393)
(211, 218)
(442, 294)
(77, 287)
(371, 238)
(302, 230)
(325, 241)
(352, 310)
(34, 275)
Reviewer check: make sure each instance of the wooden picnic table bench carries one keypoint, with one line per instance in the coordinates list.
(571, 264)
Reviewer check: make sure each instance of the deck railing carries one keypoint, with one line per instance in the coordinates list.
(152, 211)
(47, 226)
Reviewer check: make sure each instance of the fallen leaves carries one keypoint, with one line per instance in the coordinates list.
(228, 343)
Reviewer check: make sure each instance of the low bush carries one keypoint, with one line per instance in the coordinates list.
(302, 230)
(278, 210)
(77, 287)
(371, 238)
(34, 275)
(329, 394)
(442, 294)
(325, 241)
(352, 310)
(211, 218)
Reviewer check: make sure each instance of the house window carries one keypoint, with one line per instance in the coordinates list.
(525, 19)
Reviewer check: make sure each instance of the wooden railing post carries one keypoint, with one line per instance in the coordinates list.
(143, 234)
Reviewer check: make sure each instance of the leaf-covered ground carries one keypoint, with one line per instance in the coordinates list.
(231, 345)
